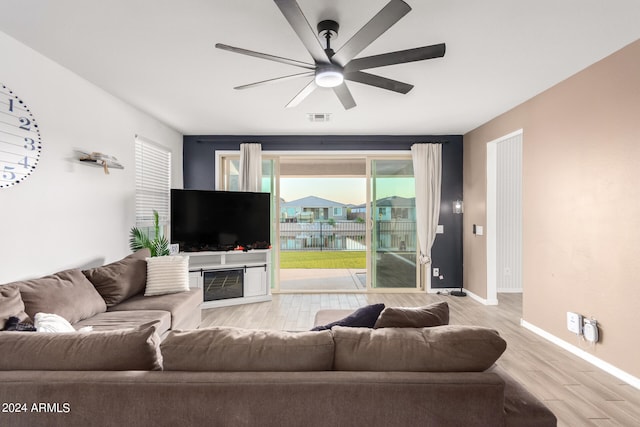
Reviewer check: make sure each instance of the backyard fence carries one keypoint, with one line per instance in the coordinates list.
(346, 236)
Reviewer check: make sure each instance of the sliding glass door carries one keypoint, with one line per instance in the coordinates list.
(393, 247)
(380, 225)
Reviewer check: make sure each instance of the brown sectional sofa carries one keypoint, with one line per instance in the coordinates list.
(343, 376)
(236, 377)
(108, 297)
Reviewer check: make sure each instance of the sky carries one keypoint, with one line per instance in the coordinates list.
(344, 190)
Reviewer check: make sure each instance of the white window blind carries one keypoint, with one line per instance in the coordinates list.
(153, 182)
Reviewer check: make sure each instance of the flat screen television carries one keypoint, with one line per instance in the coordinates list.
(219, 220)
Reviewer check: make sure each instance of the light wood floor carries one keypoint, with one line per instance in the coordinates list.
(578, 393)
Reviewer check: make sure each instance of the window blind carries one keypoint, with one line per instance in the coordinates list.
(153, 182)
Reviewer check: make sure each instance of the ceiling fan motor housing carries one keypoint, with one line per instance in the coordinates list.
(328, 29)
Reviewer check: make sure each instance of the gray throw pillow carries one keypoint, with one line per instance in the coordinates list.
(451, 348)
(436, 314)
(237, 349)
(119, 350)
(122, 279)
(11, 305)
(68, 294)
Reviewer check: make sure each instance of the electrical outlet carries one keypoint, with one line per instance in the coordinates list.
(574, 323)
(590, 330)
(436, 272)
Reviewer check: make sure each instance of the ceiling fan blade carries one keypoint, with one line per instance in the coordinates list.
(292, 12)
(306, 91)
(398, 57)
(377, 81)
(265, 56)
(275, 80)
(385, 19)
(344, 95)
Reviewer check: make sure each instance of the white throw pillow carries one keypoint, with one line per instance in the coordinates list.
(45, 322)
(167, 275)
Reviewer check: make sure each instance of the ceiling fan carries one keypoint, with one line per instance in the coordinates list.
(331, 69)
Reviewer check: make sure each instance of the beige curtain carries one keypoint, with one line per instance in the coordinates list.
(427, 170)
(250, 167)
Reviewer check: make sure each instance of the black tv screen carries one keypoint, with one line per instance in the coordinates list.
(219, 220)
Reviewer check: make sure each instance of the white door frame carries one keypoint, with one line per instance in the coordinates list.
(368, 155)
(492, 210)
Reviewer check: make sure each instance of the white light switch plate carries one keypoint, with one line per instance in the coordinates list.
(440, 229)
(574, 323)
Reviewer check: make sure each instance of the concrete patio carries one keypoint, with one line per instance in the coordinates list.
(313, 279)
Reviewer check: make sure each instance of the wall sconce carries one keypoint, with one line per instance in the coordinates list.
(458, 206)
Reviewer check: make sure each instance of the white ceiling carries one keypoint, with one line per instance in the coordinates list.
(159, 56)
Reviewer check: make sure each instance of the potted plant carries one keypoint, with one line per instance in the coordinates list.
(138, 239)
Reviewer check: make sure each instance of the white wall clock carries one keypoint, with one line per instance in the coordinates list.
(20, 142)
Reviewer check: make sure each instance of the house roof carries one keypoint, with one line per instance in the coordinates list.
(160, 57)
(312, 202)
(392, 201)
(397, 202)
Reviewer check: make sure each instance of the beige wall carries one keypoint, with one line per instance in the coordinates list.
(581, 205)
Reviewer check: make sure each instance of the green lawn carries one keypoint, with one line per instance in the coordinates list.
(323, 259)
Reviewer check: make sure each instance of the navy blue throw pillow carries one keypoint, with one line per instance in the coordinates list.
(364, 317)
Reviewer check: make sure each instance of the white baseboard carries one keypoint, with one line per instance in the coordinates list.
(605, 366)
(469, 294)
(481, 300)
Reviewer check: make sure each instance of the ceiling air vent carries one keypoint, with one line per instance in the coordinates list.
(318, 117)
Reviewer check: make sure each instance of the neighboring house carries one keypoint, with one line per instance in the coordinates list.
(358, 211)
(312, 208)
(396, 208)
(389, 208)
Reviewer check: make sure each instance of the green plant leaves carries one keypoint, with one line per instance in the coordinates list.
(138, 239)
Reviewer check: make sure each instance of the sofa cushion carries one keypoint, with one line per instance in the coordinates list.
(68, 294)
(121, 350)
(236, 349)
(450, 348)
(11, 305)
(122, 279)
(167, 275)
(364, 317)
(436, 314)
(184, 307)
(113, 320)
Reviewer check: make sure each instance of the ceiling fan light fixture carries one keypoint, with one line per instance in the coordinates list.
(329, 77)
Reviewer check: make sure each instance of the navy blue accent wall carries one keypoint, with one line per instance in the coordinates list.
(199, 153)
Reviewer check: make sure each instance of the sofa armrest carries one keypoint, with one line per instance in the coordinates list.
(523, 409)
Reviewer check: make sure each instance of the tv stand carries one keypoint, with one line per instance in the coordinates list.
(231, 277)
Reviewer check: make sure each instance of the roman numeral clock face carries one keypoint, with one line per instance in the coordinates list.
(20, 142)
